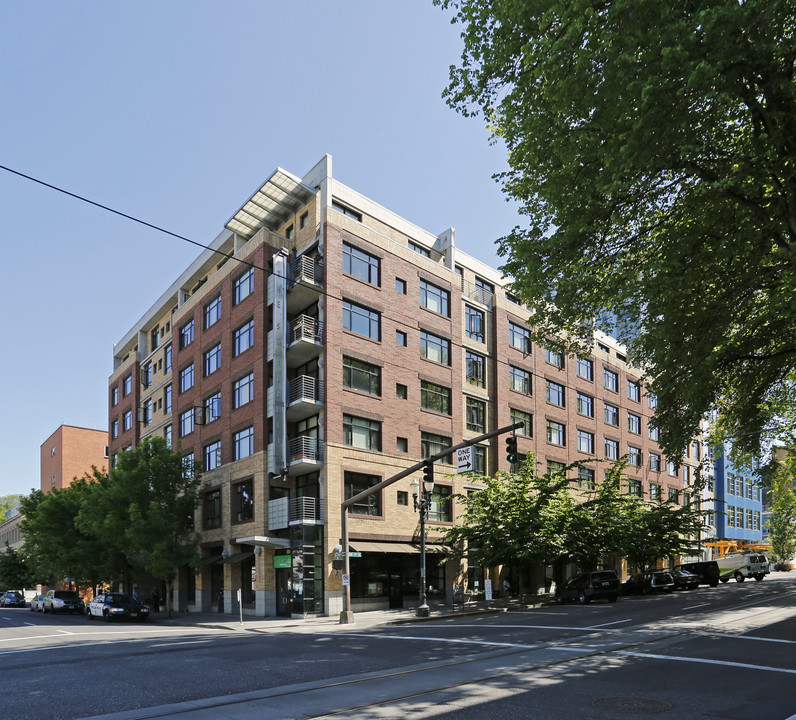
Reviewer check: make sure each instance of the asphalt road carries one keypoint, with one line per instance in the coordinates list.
(725, 652)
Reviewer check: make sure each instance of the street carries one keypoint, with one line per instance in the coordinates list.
(724, 652)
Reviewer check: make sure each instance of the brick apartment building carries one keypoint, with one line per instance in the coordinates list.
(70, 452)
(337, 345)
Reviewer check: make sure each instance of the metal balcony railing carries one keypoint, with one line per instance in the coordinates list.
(306, 448)
(477, 293)
(305, 327)
(303, 508)
(306, 269)
(305, 388)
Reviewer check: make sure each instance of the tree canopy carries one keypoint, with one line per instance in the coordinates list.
(782, 522)
(651, 146)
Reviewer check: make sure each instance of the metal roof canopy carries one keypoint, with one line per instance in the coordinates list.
(280, 196)
(264, 541)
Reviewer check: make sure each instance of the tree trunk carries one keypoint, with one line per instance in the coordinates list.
(169, 595)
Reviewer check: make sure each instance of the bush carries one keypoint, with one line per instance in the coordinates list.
(783, 566)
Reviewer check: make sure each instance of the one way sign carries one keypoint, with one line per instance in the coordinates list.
(464, 459)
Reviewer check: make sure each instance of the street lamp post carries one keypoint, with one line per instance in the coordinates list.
(422, 505)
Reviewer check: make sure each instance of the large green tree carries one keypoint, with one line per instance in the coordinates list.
(652, 148)
(15, 572)
(782, 522)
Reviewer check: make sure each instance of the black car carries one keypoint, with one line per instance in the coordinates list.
(707, 570)
(12, 598)
(685, 580)
(587, 586)
(648, 582)
(117, 606)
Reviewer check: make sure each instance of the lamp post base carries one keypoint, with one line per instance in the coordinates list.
(422, 610)
(346, 617)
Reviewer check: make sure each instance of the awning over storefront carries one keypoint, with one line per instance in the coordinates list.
(388, 547)
(264, 541)
(237, 557)
(210, 560)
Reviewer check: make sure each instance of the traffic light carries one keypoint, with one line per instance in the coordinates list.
(511, 449)
(428, 476)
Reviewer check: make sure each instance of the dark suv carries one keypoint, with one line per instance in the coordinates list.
(708, 571)
(13, 599)
(587, 586)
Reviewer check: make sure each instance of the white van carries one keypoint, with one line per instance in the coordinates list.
(743, 565)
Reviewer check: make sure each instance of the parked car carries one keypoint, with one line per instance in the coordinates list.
(684, 580)
(649, 582)
(37, 603)
(587, 586)
(12, 598)
(743, 565)
(56, 601)
(117, 606)
(707, 570)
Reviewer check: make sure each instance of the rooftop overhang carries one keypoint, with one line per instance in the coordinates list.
(280, 196)
(264, 541)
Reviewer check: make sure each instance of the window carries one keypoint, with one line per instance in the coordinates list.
(431, 444)
(586, 442)
(186, 378)
(555, 393)
(244, 286)
(434, 298)
(585, 369)
(655, 491)
(612, 414)
(653, 400)
(585, 478)
(611, 449)
(633, 390)
(401, 391)
(167, 399)
(304, 219)
(585, 404)
(115, 429)
(474, 323)
(697, 450)
(361, 265)
(360, 320)
(186, 422)
(476, 415)
(513, 298)
(155, 335)
(435, 397)
(414, 247)
(213, 408)
(167, 358)
(435, 348)
(114, 395)
(686, 474)
(348, 212)
(146, 375)
(475, 369)
(212, 509)
(212, 359)
(213, 455)
(520, 380)
(244, 337)
(186, 334)
(610, 380)
(655, 434)
(400, 286)
(243, 443)
(127, 420)
(634, 456)
(362, 376)
(127, 386)
(361, 433)
(554, 357)
(243, 390)
(672, 468)
(402, 444)
(520, 337)
(554, 466)
(556, 433)
(212, 312)
(655, 462)
(634, 488)
(400, 338)
(243, 497)
(634, 424)
(730, 515)
(356, 483)
(167, 435)
(479, 459)
(402, 497)
(441, 506)
(525, 418)
(147, 412)
(290, 232)
(674, 496)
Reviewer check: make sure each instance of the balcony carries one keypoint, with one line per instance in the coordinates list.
(303, 510)
(306, 278)
(305, 397)
(305, 455)
(304, 340)
(477, 293)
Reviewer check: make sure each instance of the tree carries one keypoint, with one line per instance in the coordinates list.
(14, 571)
(782, 523)
(7, 502)
(651, 146)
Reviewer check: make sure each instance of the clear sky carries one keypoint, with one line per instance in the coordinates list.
(175, 112)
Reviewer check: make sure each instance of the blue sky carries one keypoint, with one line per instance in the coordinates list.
(175, 112)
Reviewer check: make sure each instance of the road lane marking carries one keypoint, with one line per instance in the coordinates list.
(615, 622)
(452, 641)
(706, 661)
(691, 607)
(525, 627)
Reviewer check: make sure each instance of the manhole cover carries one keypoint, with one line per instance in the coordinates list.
(632, 705)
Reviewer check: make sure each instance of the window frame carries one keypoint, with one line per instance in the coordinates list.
(356, 315)
(362, 265)
(435, 397)
(434, 298)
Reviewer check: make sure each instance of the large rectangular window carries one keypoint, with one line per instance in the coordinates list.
(612, 414)
(212, 509)
(634, 456)
(555, 393)
(475, 369)
(476, 415)
(585, 369)
(362, 433)
(186, 378)
(127, 386)
(186, 334)
(556, 433)
(212, 360)
(520, 380)
(611, 449)
(554, 357)
(168, 356)
(520, 337)
(610, 380)
(186, 423)
(436, 398)
(585, 404)
(362, 376)
(431, 444)
(212, 312)
(356, 483)
(474, 322)
(212, 455)
(361, 265)
(243, 390)
(243, 443)
(434, 298)
(361, 321)
(127, 420)
(633, 423)
(585, 478)
(244, 286)
(243, 498)
(655, 462)
(525, 418)
(213, 408)
(441, 508)
(244, 337)
(586, 441)
(633, 390)
(435, 348)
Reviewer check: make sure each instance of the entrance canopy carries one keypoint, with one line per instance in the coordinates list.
(265, 541)
(388, 547)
